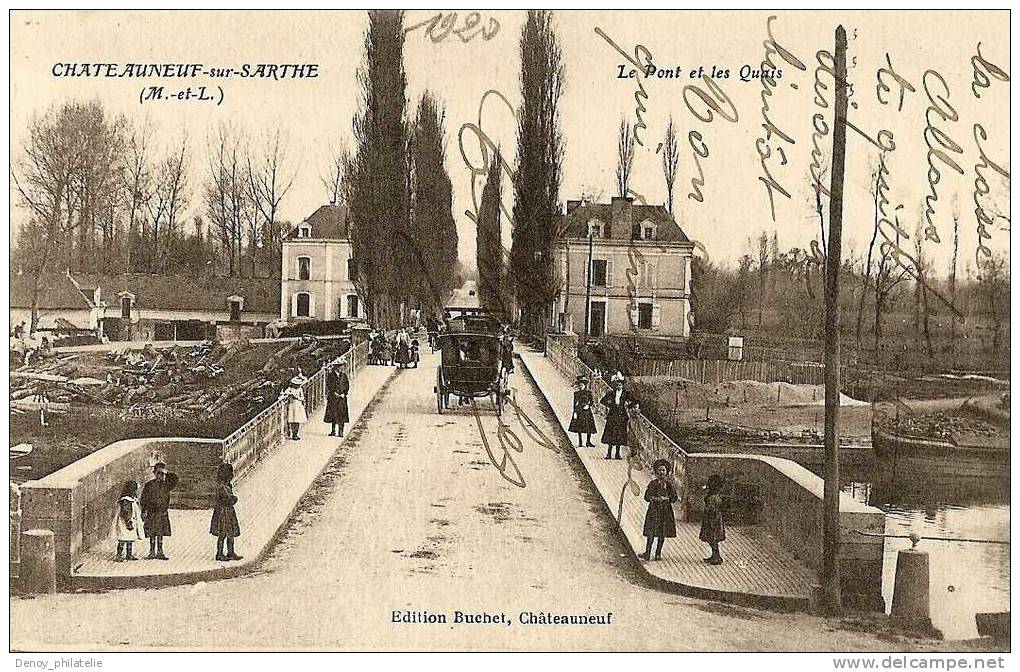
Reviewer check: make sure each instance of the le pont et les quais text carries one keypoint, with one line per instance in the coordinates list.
(746, 73)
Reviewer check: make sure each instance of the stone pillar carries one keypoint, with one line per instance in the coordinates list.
(38, 571)
(910, 604)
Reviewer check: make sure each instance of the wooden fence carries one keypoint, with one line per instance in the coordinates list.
(711, 371)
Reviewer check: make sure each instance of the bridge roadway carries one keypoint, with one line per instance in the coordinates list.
(412, 516)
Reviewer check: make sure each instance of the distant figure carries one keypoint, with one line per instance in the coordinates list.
(616, 401)
(659, 521)
(127, 525)
(338, 386)
(19, 330)
(155, 504)
(712, 529)
(507, 353)
(582, 422)
(295, 396)
(224, 525)
(415, 356)
(403, 354)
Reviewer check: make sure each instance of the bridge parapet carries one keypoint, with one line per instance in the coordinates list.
(781, 497)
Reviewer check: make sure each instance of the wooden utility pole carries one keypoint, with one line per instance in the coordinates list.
(830, 556)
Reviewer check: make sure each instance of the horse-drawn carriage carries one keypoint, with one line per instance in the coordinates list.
(471, 365)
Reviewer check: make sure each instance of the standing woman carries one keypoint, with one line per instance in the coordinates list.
(224, 525)
(583, 420)
(712, 529)
(659, 520)
(338, 386)
(295, 396)
(616, 401)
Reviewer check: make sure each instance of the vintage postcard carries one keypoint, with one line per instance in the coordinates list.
(489, 330)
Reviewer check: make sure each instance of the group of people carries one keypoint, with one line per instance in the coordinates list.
(148, 516)
(403, 350)
(660, 493)
(338, 387)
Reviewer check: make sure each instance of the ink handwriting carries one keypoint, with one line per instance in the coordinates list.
(440, 26)
(761, 144)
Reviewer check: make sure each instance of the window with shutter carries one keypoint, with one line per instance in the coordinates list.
(609, 274)
(656, 315)
(303, 304)
(634, 315)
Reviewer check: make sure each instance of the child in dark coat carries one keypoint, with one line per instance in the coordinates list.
(582, 422)
(712, 529)
(224, 525)
(659, 520)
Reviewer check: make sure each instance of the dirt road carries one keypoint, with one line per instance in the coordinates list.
(412, 516)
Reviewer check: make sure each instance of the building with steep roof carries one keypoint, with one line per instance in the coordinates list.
(61, 302)
(318, 269)
(639, 280)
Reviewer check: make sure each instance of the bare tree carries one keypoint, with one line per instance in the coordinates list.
(168, 202)
(625, 157)
(269, 180)
(51, 156)
(138, 179)
(333, 178)
(763, 269)
(225, 192)
(993, 293)
(888, 276)
(875, 179)
(670, 162)
(952, 270)
(922, 331)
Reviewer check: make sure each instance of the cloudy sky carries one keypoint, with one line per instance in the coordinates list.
(317, 113)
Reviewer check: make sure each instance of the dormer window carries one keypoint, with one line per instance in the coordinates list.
(596, 228)
(304, 231)
(643, 231)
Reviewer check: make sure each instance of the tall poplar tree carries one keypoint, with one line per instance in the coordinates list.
(378, 188)
(489, 243)
(435, 251)
(539, 168)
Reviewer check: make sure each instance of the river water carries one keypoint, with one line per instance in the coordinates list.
(965, 578)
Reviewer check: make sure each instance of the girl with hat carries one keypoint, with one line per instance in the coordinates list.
(295, 396)
(659, 521)
(583, 420)
(224, 525)
(616, 401)
(712, 529)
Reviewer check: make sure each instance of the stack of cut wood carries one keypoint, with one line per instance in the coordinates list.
(167, 382)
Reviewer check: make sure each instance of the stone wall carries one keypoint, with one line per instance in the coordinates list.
(785, 499)
(78, 502)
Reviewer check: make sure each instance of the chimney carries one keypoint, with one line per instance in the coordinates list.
(622, 214)
(572, 205)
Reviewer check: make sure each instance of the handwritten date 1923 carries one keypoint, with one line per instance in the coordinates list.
(440, 26)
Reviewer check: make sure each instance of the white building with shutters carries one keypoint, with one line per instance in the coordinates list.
(318, 270)
(640, 275)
